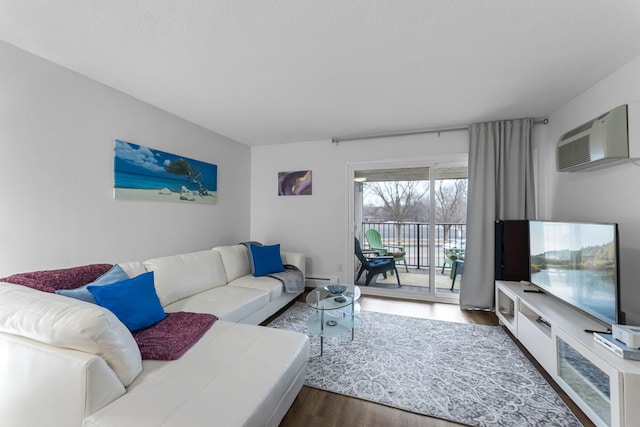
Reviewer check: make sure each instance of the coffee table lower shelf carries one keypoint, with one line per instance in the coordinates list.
(343, 324)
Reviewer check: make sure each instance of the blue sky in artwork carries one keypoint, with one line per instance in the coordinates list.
(133, 159)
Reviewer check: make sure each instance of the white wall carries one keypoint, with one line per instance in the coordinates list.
(606, 195)
(317, 224)
(56, 147)
(57, 131)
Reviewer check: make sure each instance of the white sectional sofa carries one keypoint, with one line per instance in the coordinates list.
(66, 362)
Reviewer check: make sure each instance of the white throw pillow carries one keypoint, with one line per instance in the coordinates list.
(70, 323)
(180, 276)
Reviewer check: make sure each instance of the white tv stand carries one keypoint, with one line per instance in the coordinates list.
(605, 386)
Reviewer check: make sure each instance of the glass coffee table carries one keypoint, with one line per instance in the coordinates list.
(334, 314)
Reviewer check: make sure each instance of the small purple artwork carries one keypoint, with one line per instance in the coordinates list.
(296, 183)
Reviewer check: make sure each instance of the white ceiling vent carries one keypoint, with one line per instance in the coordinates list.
(598, 143)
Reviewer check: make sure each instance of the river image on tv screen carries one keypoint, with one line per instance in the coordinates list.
(576, 262)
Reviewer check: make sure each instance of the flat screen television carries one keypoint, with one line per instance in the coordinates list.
(578, 263)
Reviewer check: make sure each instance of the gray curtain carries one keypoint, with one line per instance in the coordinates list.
(500, 187)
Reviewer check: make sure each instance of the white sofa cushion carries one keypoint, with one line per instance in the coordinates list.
(236, 375)
(265, 283)
(230, 303)
(133, 268)
(235, 259)
(180, 276)
(69, 323)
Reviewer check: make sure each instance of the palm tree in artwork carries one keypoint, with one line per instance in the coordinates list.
(182, 167)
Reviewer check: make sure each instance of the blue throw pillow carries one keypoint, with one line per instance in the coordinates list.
(133, 301)
(115, 274)
(266, 259)
(248, 245)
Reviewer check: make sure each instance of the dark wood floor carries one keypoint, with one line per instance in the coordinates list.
(318, 408)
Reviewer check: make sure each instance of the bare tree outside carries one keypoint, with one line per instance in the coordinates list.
(408, 201)
(398, 201)
(416, 208)
(451, 203)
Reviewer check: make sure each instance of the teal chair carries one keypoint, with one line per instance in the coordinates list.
(450, 257)
(457, 269)
(375, 243)
(447, 262)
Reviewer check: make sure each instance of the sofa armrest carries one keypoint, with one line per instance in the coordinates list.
(294, 258)
(44, 385)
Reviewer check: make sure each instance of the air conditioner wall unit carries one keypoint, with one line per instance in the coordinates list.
(601, 142)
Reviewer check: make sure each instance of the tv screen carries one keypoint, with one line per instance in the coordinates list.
(578, 263)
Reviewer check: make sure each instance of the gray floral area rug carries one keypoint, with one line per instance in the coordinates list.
(470, 374)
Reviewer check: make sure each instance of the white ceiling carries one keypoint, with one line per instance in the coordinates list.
(279, 71)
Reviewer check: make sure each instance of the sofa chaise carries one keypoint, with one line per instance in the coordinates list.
(67, 362)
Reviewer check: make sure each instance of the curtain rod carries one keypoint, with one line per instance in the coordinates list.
(416, 132)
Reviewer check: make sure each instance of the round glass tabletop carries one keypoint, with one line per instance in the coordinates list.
(321, 299)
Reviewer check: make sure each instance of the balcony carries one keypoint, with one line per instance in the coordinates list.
(414, 236)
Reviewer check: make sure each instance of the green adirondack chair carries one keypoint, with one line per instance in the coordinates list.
(450, 257)
(375, 242)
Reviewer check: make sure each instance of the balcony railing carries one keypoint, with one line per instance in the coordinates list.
(414, 237)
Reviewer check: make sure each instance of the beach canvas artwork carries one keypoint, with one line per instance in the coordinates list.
(145, 174)
(296, 183)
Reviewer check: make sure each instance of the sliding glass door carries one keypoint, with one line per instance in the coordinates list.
(415, 214)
